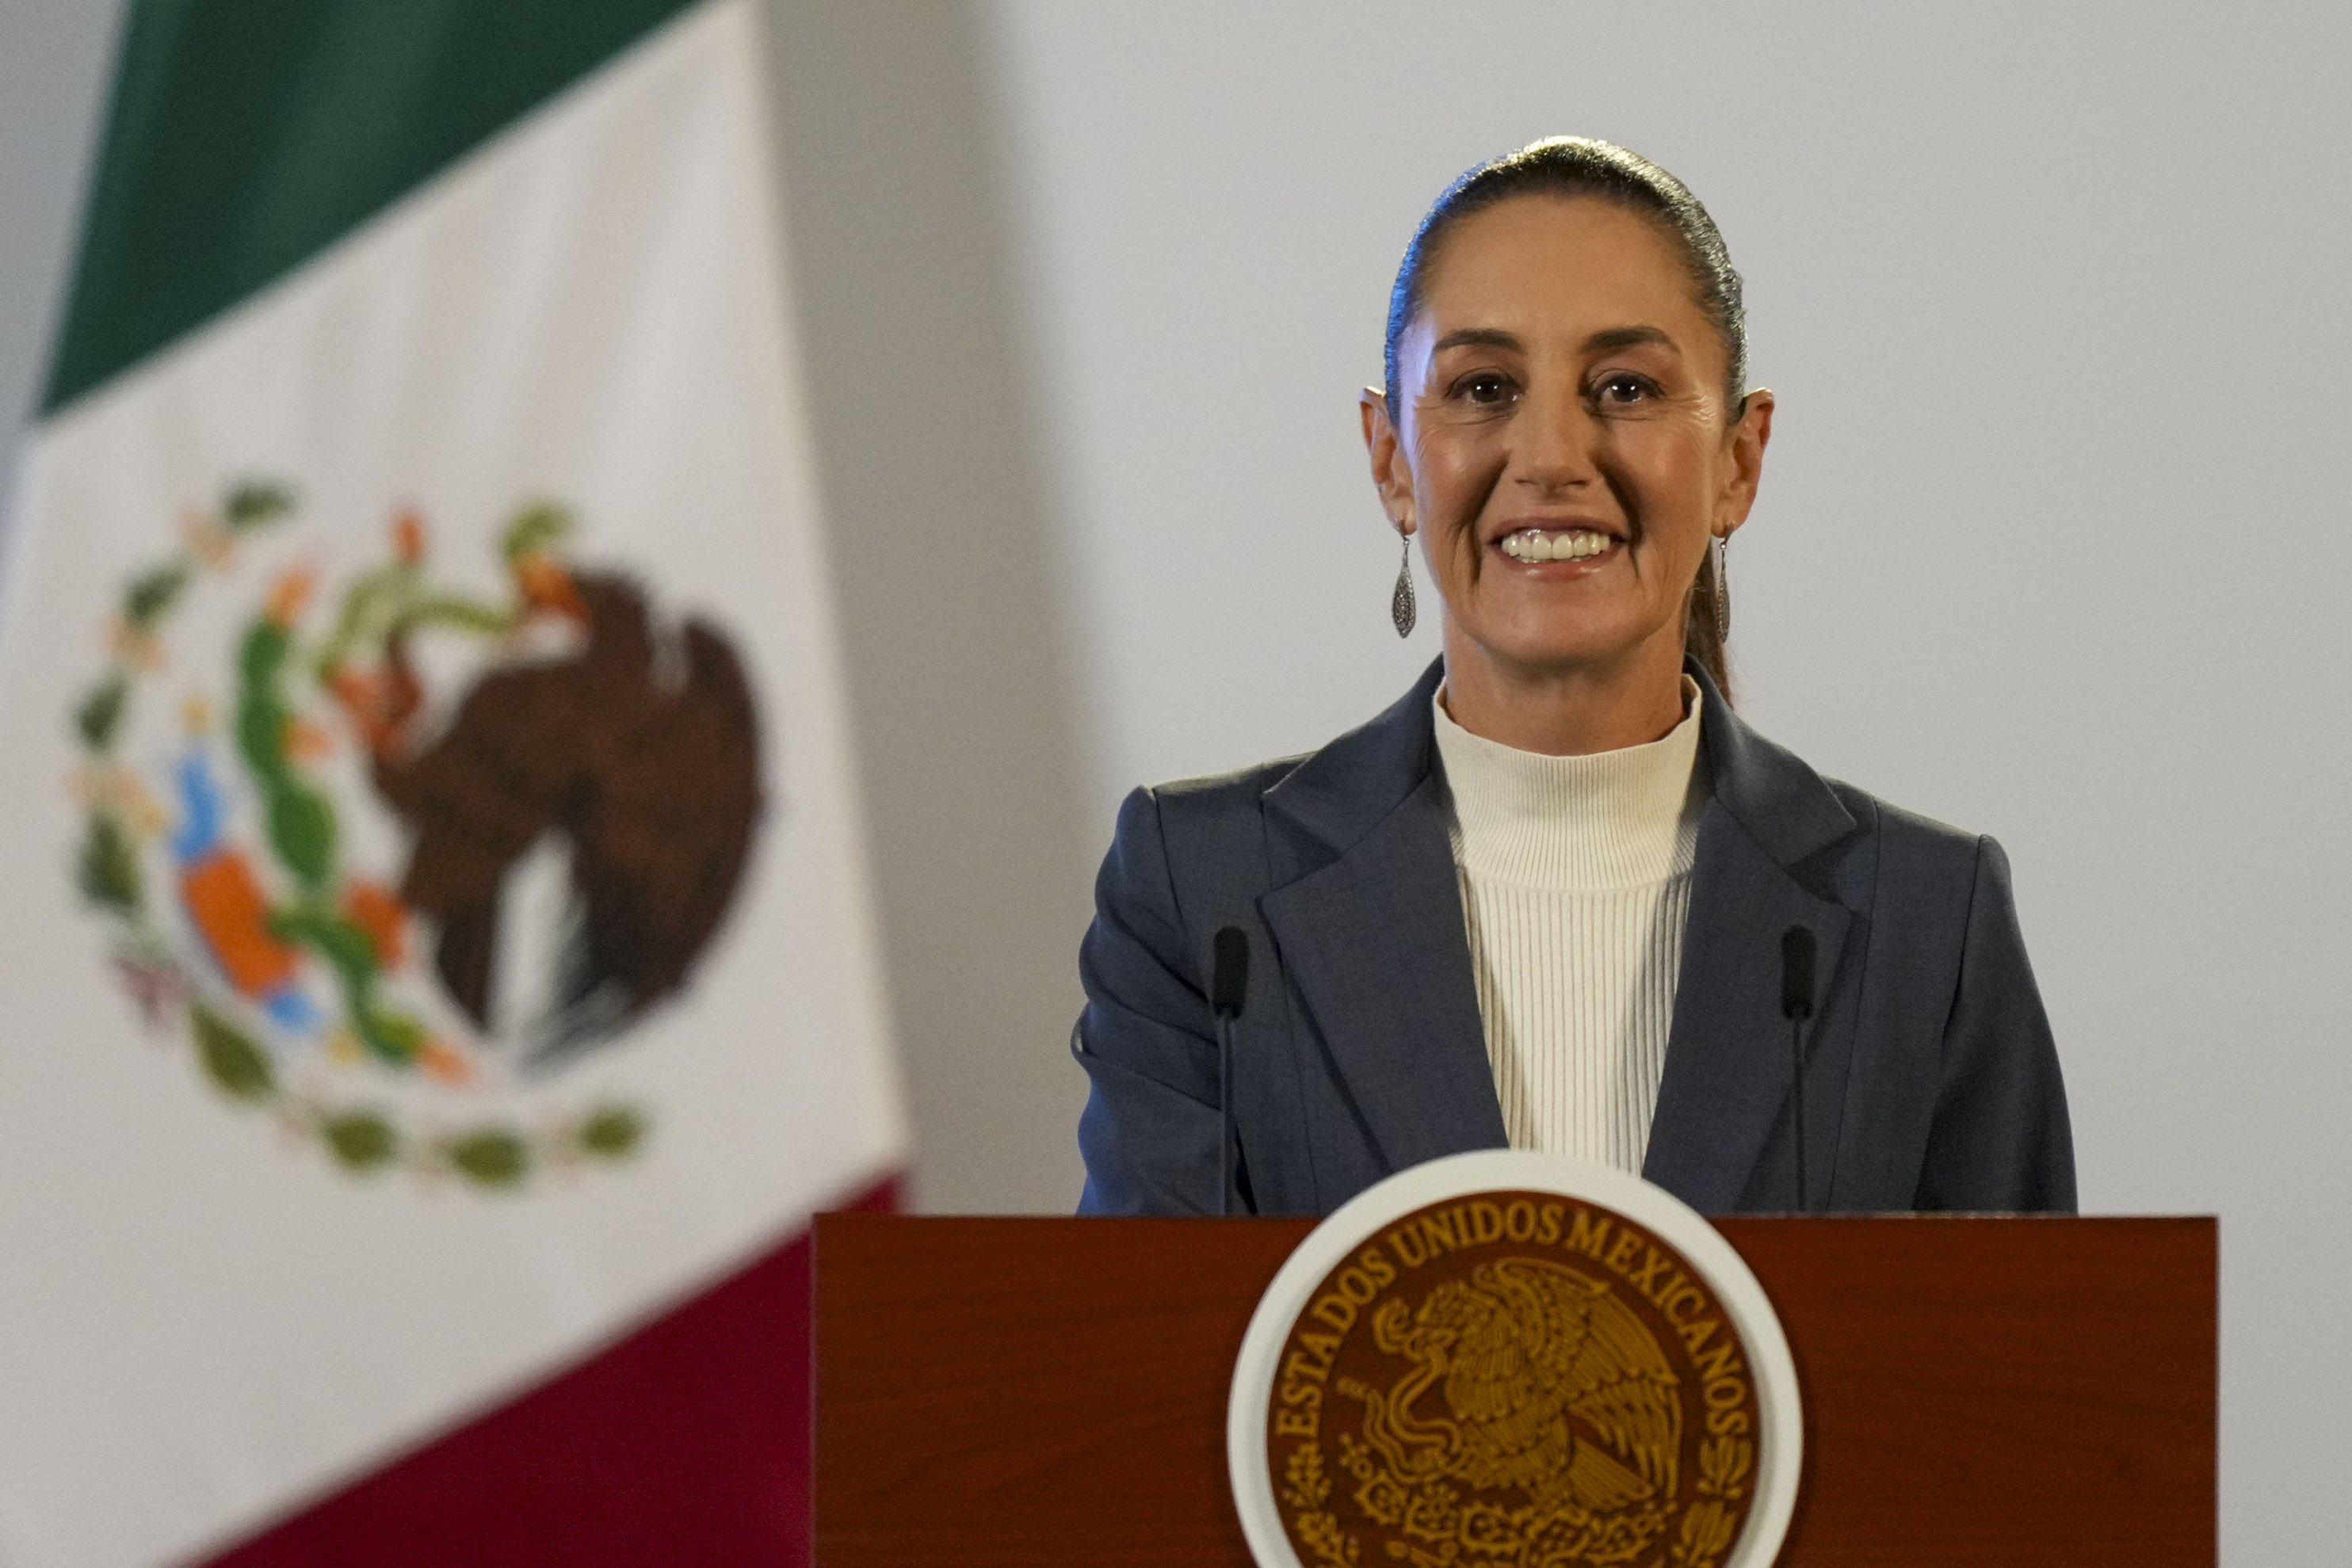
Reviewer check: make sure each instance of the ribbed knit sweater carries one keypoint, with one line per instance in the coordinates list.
(1576, 875)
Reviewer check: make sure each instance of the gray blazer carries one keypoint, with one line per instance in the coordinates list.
(1930, 1082)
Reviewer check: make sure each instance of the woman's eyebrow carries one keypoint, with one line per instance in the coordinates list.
(1598, 343)
(1626, 337)
(1476, 338)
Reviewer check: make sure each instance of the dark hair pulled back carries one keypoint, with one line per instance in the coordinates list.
(1565, 166)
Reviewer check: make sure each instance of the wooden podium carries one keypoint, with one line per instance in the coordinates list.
(1981, 1391)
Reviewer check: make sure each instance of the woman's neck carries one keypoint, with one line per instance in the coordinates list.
(1567, 711)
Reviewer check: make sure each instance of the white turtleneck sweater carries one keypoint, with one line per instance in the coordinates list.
(1576, 876)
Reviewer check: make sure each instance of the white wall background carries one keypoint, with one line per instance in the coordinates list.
(2051, 543)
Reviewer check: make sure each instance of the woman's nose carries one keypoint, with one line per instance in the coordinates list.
(1555, 440)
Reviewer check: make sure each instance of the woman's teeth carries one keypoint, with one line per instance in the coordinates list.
(1531, 545)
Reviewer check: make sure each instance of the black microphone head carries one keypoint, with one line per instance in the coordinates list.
(1229, 980)
(1797, 972)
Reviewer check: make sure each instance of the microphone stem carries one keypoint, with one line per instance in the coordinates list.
(1224, 1116)
(1797, 1090)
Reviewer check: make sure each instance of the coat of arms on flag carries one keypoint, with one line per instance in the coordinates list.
(390, 852)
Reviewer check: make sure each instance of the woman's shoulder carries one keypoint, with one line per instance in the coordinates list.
(1352, 777)
(1912, 848)
(1884, 817)
(1185, 817)
(1216, 792)
(1924, 884)
(1801, 811)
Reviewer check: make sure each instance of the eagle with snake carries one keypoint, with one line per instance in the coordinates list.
(1550, 1385)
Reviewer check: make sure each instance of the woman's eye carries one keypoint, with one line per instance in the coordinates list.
(1485, 387)
(1624, 390)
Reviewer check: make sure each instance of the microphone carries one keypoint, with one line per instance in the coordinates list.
(1797, 1006)
(1229, 975)
(1228, 984)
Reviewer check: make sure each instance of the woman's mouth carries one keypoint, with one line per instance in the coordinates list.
(1534, 546)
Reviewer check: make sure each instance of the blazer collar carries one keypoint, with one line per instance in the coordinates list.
(1340, 793)
(1766, 788)
(1369, 922)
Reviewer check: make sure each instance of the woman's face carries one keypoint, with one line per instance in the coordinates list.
(1564, 452)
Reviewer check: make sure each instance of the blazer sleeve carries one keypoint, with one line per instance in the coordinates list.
(1150, 1131)
(2000, 1139)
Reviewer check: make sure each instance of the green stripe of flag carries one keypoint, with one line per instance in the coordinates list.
(245, 136)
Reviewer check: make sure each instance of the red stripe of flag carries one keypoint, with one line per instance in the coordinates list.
(687, 1441)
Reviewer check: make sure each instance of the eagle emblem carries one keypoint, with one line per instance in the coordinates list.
(395, 842)
(1515, 1381)
(1548, 1386)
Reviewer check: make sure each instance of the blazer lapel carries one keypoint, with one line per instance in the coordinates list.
(1373, 938)
(1727, 1074)
(1727, 1065)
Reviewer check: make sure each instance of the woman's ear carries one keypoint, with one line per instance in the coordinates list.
(1746, 440)
(1392, 472)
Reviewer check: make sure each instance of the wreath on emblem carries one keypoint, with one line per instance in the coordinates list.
(409, 851)
(1498, 1381)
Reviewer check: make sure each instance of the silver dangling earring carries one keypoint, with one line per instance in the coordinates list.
(1723, 588)
(1401, 608)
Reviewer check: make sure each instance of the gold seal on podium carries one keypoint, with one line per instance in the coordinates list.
(1515, 1359)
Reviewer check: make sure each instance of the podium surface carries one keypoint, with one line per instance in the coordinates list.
(1978, 1390)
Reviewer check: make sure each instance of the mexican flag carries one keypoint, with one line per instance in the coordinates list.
(437, 978)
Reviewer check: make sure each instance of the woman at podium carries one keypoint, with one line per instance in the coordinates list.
(1559, 896)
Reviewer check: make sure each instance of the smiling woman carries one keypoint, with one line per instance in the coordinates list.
(1559, 896)
(1572, 451)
